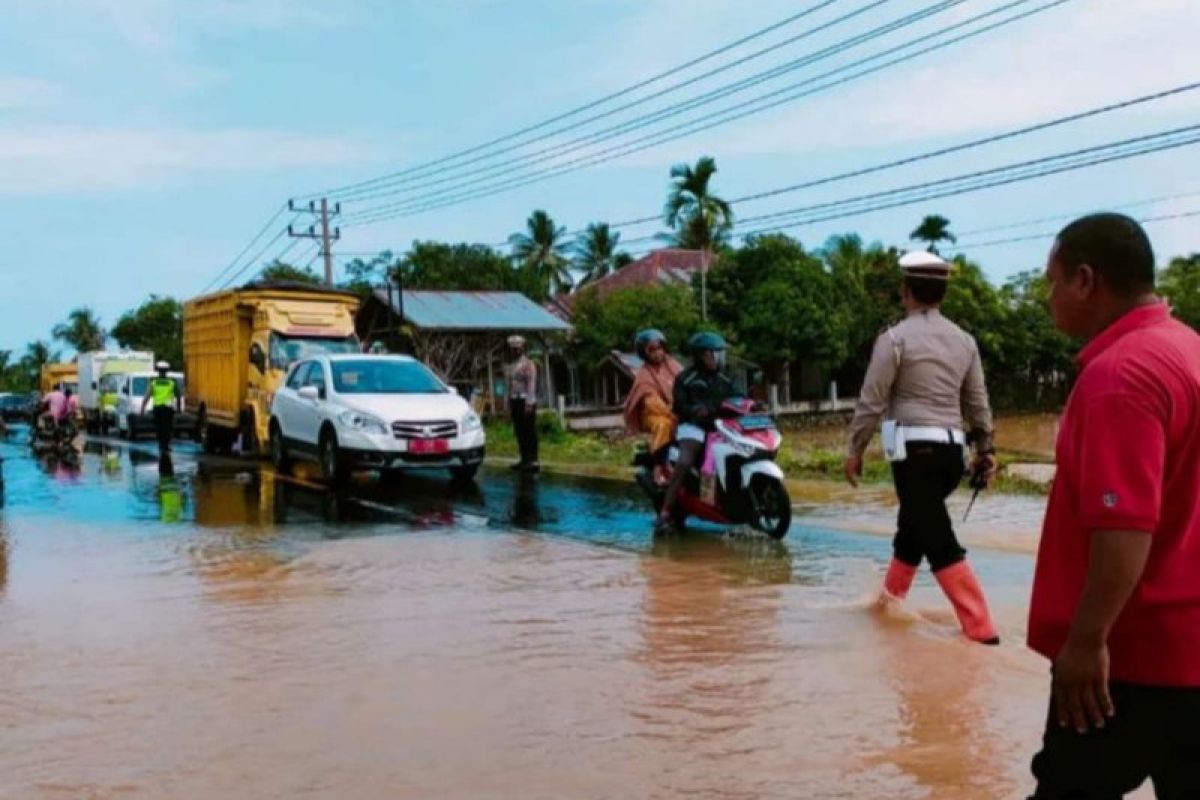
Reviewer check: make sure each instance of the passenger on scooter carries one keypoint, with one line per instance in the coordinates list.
(699, 392)
(648, 406)
(54, 407)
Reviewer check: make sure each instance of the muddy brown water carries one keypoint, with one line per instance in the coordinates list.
(228, 634)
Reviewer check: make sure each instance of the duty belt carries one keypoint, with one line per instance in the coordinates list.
(921, 433)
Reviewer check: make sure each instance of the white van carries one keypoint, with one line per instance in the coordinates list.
(131, 389)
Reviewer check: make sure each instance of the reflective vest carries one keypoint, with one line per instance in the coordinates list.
(162, 392)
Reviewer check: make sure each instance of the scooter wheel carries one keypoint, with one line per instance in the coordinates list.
(772, 506)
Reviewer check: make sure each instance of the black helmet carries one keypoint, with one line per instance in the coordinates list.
(646, 338)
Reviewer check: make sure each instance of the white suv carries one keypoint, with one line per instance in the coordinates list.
(373, 412)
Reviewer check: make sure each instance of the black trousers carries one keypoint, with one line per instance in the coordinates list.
(525, 427)
(689, 453)
(1155, 734)
(164, 426)
(923, 481)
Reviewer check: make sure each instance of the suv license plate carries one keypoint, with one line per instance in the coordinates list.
(429, 446)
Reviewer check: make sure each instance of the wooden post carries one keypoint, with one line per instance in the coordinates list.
(491, 387)
(549, 377)
(833, 395)
(562, 412)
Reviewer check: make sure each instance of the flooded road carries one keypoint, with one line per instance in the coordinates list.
(229, 634)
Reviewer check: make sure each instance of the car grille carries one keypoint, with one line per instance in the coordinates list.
(438, 429)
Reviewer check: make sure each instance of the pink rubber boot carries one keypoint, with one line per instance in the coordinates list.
(970, 606)
(898, 580)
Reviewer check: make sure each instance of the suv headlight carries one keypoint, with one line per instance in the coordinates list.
(357, 420)
(471, 422)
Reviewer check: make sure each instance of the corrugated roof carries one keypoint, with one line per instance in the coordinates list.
(475, 311)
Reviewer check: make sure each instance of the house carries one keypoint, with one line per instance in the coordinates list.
(669, 266)
(462, 336)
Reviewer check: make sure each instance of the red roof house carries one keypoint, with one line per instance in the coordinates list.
(668, 266)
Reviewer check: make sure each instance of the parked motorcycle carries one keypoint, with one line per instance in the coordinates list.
(737, 480)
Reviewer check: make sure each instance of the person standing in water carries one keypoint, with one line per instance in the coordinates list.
(522, 403)
(924, 375)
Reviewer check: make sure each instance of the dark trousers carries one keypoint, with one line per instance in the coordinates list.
(689, 454)
(164, 426)
(1155, 734)
(924, 480)
(524, 419)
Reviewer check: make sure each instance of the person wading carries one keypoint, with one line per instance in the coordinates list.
(648, 406)
(924, 375)
(1116, 592)
(522, 403)
(163, 393)
(698, 394)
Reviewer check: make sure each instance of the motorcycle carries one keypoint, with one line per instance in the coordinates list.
(48, 437)
(737, 480)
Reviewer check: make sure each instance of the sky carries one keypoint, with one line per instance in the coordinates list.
(143, 143)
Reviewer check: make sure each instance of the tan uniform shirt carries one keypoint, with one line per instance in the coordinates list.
(522, 379)
(925, 371)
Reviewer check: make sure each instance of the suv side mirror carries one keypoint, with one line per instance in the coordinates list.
(309, 392)
(258, 358)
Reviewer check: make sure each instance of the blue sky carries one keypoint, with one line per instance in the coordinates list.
(143, 142)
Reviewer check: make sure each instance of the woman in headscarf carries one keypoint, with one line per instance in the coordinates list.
(648, 406)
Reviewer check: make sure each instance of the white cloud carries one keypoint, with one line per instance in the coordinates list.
(22, 92)
(63, 159)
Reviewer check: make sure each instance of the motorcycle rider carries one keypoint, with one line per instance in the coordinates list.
(698, 394)
(648, 406)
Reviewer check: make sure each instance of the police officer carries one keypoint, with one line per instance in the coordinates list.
(163, 392)
(924, 377)
(698, 394)
(522, 403)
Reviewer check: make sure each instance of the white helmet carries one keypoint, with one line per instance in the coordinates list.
(162, 366)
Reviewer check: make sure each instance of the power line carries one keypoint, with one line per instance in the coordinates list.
(646, 121)
(638, 122)
(1050, 234)
(234, 278)
(587, 106)
(245, 249)
(1059, 217)
(731, 114)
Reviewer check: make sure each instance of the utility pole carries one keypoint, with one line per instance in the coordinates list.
(323, 211)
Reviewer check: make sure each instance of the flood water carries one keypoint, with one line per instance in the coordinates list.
(229, 634)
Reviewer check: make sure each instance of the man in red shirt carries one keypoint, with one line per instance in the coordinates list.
(1116, 594)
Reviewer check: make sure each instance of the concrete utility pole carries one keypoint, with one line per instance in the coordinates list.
(325, 237)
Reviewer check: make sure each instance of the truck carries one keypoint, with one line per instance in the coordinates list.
(54, 374)
(238, 345)
(129, 391)
(94, 384)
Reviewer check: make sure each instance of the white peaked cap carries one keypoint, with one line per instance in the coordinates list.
(923, 264)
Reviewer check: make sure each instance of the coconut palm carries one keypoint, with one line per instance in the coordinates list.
(81, 330)
(933, 229)
(596, 252)
(699, 219)
(541, 252)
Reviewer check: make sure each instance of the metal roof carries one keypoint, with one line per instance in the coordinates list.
(474, 311)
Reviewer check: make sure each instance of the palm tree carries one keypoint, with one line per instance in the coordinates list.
(933, 229)
(700, 220)
(542, 253)
(596, 252)
(81, 330)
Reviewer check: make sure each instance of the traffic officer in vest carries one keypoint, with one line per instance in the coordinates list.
(924, 378)
(165, 396)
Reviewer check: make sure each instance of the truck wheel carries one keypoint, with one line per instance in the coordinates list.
(332, 465)
(279, 453)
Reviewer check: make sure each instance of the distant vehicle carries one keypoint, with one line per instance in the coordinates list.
(54, 374)
(383, 412)
(14, 407)
(128, 418)
(238, 345)
(95, 393)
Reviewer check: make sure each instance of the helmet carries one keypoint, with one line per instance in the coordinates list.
(646, 338)
(703, 342)
(162, 366)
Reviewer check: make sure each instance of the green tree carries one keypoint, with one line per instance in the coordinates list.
(1180, 284)
(81, 331)
(933, 229)
(868, 284)
(469, 267)
(596, 252)
(157, 326)
(782, 303)
(542, 253)
(1039, 360)
(26, 373)
(977, 307)
(610, 323)
(698, 219)
(362, 276)
(284, 272)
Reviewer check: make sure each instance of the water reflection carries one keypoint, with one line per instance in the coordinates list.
(525, 511)
(4, 552)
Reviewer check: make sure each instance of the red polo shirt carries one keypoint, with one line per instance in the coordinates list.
(1128, 458)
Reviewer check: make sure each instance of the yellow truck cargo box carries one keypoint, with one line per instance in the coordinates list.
(59, 373)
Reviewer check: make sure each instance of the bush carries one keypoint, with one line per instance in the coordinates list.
(549, 427)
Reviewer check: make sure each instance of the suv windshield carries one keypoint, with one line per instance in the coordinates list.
(384, 376)
(286, 350)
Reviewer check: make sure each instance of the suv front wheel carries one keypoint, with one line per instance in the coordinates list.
(279, 453)
(332, 464)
